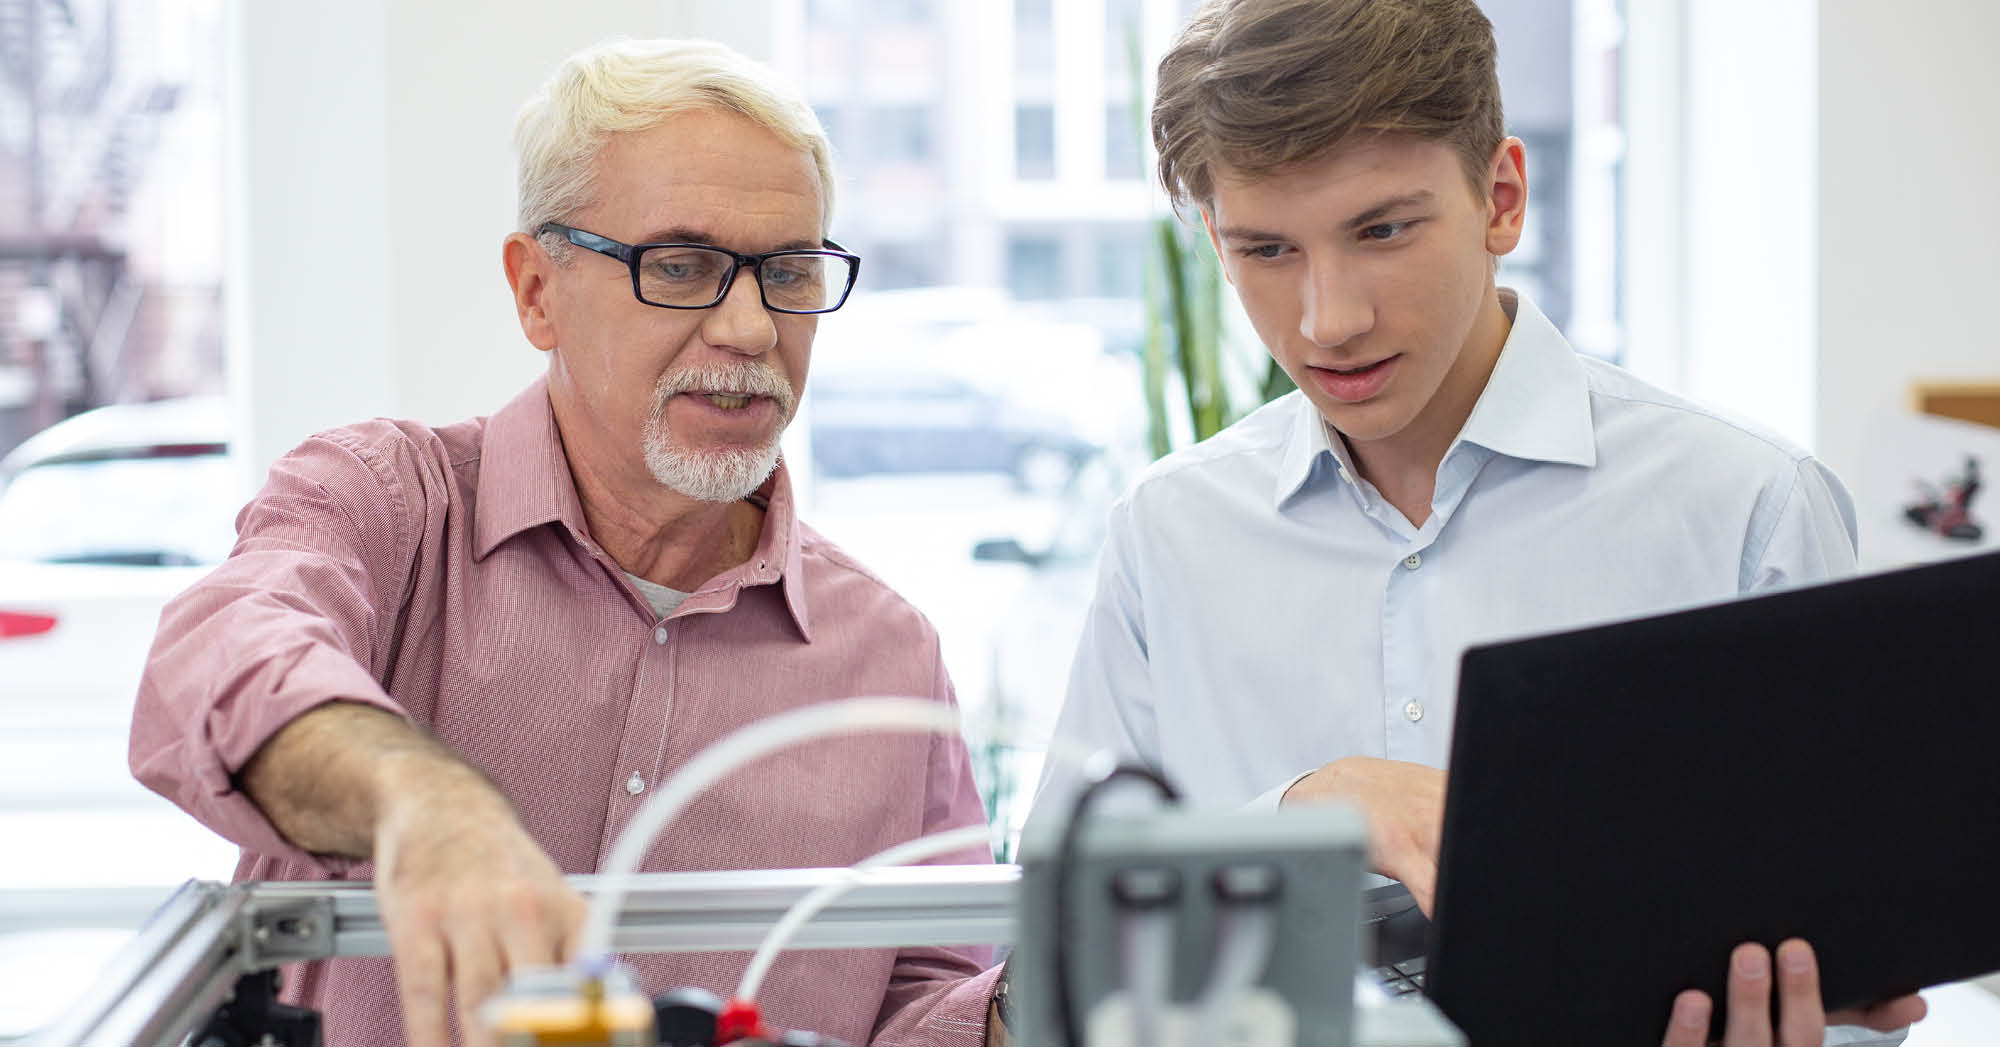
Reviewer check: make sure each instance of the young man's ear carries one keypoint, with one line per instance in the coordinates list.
(527, 263)
(1215, 241)
(1506, 196)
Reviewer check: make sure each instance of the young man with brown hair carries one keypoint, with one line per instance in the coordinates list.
(1281, 608)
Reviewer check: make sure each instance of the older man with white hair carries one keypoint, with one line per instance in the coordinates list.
(457, 659)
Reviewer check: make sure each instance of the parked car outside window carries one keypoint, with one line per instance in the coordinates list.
(103, 519)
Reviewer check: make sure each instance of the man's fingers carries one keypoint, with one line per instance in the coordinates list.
(476, 970)
(1424, 893)
(1801, 1015)
(420, 983)
(1419, 874)
(531, 929)
(1687, 1026)
(575, 913)
(1886, 1016)
(1748, 1023)
(1431, 829)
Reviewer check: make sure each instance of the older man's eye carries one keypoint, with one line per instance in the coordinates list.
(679, 270)
(681, 266)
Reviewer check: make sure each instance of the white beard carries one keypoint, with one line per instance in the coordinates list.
(715, 474)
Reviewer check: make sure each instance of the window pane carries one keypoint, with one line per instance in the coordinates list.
(1123, 30)
(901, 134)
(1034, 37)
(893, 266)
(888, 11)
(1121, 261)
(1121, 142)
(1034, 267)
(1034, 142)
(829, 121)
(112, 296)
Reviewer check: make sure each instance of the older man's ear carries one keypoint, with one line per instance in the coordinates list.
(527, 264)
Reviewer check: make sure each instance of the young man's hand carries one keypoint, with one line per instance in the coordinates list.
(1403, 804)
(467, 898)
(1802, 1021)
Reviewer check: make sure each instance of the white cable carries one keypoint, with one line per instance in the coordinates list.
(747, 743)
(1147, 938)
(826, 894)
(718, 760)
(1248, 933)
(944, 842)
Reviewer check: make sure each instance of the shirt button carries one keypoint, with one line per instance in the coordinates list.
(1413, 711)
(1413, 561)
(635, 784)
(660, 635)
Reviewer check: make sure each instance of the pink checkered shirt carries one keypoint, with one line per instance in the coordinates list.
(447, 575)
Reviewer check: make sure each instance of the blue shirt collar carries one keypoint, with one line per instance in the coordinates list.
(1536, 406)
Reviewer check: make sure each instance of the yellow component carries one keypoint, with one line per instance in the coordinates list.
(586, 1018)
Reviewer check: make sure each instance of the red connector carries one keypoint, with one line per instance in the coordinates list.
(739, 1020)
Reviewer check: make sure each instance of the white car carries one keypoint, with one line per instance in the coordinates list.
(103, 518)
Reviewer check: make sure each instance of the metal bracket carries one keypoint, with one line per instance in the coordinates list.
(277, 931)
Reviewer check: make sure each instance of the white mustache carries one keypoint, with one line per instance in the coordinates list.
(748, 380)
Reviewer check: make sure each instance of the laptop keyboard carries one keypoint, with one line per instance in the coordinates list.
(1402, 979)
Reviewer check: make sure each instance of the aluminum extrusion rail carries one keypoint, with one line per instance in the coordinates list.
(187, 959)
(728, 911)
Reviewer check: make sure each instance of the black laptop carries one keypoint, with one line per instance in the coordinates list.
(1628, 802)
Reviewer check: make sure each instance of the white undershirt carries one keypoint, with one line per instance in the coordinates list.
(662, 599)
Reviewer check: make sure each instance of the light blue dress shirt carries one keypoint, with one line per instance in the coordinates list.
(1261, 610)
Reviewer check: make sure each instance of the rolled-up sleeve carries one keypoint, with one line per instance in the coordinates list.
(300, 614)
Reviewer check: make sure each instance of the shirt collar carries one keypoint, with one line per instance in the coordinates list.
(1536, 406)
(1309, 444)
(779, 550)
(525, 482)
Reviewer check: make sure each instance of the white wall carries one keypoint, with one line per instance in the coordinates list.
(1909, 209)
(371, 183)
(1720, 251)
(1812, 223)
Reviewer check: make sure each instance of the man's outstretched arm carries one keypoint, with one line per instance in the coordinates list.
(464, 892)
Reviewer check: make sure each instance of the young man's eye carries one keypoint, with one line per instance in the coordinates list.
(1263, 251)
(1385, 231)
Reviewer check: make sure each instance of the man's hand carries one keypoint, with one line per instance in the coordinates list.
(464, 892)
(467, 898)
(1403, 804)
(1802, 1020)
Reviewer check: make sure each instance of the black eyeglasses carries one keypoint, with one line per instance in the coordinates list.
(697, 276)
